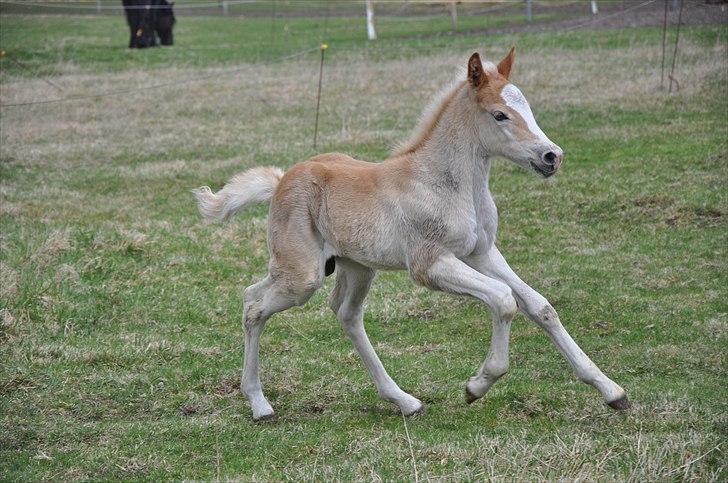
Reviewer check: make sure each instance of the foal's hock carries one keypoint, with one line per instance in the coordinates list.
(426, 209)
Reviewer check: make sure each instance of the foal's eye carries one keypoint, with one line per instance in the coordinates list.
(499, 116)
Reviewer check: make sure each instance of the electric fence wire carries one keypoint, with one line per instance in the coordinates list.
(600, 19)
(427, 17)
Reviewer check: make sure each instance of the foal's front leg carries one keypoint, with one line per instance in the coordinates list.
(449, 274)
(540, 311)
(495, 364)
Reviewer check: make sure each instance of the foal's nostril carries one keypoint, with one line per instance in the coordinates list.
(550, 158)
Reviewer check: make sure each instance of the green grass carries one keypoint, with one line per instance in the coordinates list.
(99, 42)
(121, 339)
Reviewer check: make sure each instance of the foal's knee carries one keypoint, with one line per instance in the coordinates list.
(545, 316)
(504, 305)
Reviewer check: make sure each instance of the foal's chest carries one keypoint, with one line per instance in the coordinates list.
(486, 215)
(463, 240)
(462, 230)
(471, 223)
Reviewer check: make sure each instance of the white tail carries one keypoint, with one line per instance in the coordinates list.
(252, 186)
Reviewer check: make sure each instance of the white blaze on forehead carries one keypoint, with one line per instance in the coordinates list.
(514, 99)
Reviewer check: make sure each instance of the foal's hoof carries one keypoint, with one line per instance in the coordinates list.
(621, 404)
(470, 398)
(266, 418)
(417, 412)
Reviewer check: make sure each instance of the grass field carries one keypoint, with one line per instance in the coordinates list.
(56, 44)
(121, 340)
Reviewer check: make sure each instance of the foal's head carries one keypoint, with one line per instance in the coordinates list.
(506, 126)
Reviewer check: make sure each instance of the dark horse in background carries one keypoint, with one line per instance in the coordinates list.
(148, 19)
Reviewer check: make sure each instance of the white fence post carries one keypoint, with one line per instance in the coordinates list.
(371, 33)
(454, 14)
(529, 15)
(595, 10)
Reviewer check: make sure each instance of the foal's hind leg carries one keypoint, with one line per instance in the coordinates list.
(260, 301)
(352, 284)
(287, 285)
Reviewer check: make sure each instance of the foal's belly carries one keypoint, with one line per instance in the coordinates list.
(388, 244)
(371, 245)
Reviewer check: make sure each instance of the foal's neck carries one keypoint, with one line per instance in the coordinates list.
(452, 156)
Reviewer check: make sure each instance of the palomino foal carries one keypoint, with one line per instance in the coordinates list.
(427, 209)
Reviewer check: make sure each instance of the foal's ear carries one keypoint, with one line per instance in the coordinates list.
(505, 65)
(476, 74)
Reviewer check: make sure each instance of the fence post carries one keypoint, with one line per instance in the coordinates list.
(272, 27)
(595, 10)
(98, 6)
(318, 95)
(529, 15)
(671, 75)
(664, 38)
(371, 33)
(454, 14)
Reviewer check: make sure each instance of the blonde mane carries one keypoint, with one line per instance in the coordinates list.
(432, 113)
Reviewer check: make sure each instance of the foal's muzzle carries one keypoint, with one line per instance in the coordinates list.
(549, 163)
